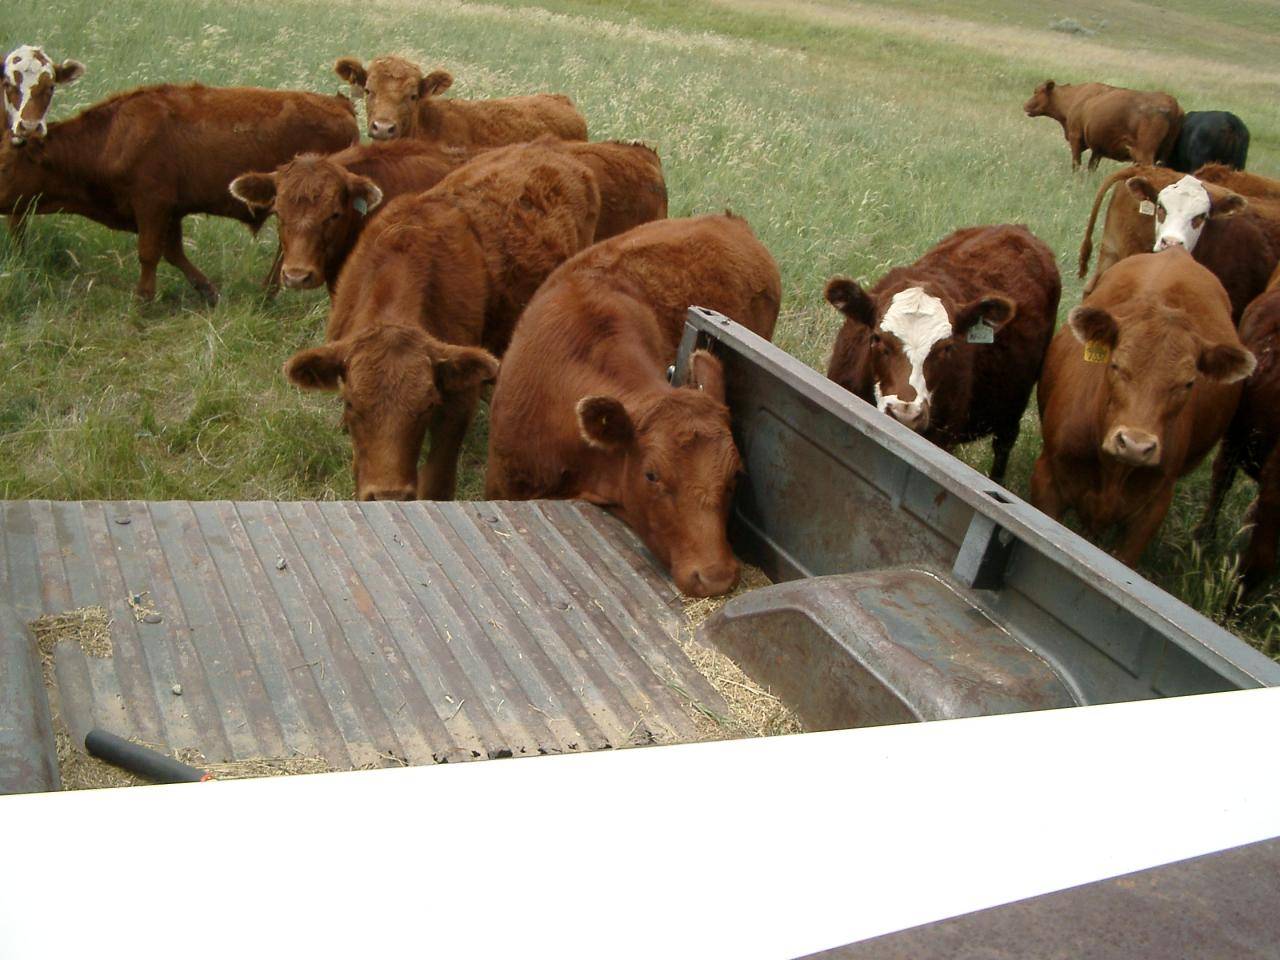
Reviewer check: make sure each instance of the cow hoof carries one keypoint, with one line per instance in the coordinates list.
(209, 292)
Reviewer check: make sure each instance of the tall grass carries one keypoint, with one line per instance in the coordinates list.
(852, 136)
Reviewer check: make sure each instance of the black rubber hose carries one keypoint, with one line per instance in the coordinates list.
(145, 762)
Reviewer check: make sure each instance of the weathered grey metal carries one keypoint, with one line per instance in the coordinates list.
(890, 646)
(833, 486)
(365, 633)
(1220, 905)
(28, 754)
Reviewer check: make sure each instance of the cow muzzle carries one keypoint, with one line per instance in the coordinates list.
(383, 130)
(1135, 447)
(709, 579)
(914, 415)
(393, 492)
(1168, 242)
(295, 279)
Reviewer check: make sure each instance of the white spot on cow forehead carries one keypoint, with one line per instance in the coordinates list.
(919, 321)
(1187, 197)
(26, 65)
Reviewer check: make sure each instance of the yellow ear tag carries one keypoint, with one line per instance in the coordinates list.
(1095, 351)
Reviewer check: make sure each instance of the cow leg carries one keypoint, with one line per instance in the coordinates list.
(1260, 557)
(438, 478)
(176, 255)
(1077, 148)
(153, 229)
(1001, 447)
(1095, 158)
(1139, 531)
(1224, 475)
(1045, 496)
(271, 283)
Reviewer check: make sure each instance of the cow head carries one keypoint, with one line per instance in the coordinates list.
(393, 88)
(1183, 208)
(392, 380)
(1151, 371)
(27, 79)
(1041, 102)
(679, 468)
(915, 344)
(319, 206)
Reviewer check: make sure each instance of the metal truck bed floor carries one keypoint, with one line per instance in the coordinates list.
(364, 633)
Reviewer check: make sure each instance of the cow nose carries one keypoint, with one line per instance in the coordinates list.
(1167, 242)
(28, 126)
(299, 279)
(388, 493)
(382, 131)
(1137, 447)
(913, 415)
(712, 580)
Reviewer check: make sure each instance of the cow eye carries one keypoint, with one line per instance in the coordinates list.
(1197, 221)
(1189, 384)
(336, 215)
(1160, 214)
(651, 476)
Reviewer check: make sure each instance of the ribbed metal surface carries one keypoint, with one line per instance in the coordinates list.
(421, 632)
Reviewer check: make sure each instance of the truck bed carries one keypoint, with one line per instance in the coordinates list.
(363, 633)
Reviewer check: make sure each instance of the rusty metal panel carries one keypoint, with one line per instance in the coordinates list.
(28, 755)
(365, 633)
(834, 486)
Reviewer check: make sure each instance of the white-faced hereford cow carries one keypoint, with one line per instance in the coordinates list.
(141, 161)
(27, 80)
(951, 345)
(427, 299)
(400, 101)
(1136, 390)
(583, 408)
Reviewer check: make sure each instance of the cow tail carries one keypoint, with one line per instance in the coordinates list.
(1086, 248)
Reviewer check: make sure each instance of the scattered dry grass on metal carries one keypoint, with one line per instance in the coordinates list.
(753, 710)
(88, 626)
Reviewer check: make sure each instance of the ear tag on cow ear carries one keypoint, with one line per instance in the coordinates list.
(1095, 351)
(1147, 208)
(361, 205)
(981, 332)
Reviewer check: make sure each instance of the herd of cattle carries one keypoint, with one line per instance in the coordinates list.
(473, 230)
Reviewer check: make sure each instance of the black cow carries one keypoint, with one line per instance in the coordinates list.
(1210, 136)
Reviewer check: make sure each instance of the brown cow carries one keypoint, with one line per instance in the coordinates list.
(27, 81)
(583, 408)
(433, 279)
(1251, 441)
(1135, 391)
(141, 161)
(401, 102)
(951, 346)
(1237, 238)
(1126, 125)
(322, 203)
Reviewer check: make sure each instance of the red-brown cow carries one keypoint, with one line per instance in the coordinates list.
(1237, 238)
(1251, 441)
(401, 102)
(322, 203)
(143, 160)
(1126, 125)
(429, 296)
(27, 81)
(1135, 391)
(583, 408)
(951, 346)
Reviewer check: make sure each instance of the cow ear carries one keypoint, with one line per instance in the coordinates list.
(1225, 205)
(1225, 362)
(850, 299)
(352, 71)
(69, 71)
(364, 194)
(1048, 86)
(605, 423)
(462, 368)
(319, 368)
(255, 189)
(1141, 188)
(706, 374)
(994, 311)
(1093, 324)
(435, 83)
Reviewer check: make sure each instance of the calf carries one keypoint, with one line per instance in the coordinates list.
(401, 102)
(1136, 390)
(143, 160)
(1210, 136)
(952, 345)
(1238, 239)
(427, 299)
(1251, 441)
(27, 80)
(1133, 125)
(322, 203)
(583, 408)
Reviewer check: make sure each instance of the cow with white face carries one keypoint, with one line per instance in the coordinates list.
(27, 79)
(951, 346)
(1182, 209)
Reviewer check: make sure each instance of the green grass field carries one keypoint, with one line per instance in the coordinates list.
(853, 136)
